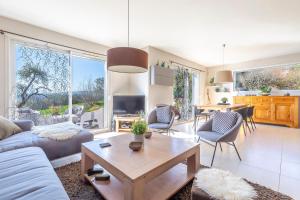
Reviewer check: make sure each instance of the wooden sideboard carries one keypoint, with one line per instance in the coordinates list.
(281, 110)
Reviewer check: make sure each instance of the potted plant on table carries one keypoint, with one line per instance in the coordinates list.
(138, 129)
(224, 101)
(265, 90)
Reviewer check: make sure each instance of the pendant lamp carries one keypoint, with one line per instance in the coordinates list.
(127, 59)
(223, 76)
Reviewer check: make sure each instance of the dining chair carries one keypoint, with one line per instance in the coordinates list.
(250, 116)
(244, 113)
(197, 115)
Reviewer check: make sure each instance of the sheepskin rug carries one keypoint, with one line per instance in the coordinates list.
(223, 185)
(60, 131)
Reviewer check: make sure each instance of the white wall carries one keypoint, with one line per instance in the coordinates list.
(2, 76)
(163, 94)
(267, 62)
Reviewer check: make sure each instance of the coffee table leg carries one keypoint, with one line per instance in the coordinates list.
(134, 190)
(86, 163)
(193, 162)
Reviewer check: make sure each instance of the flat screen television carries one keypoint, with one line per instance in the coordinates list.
(128, 104)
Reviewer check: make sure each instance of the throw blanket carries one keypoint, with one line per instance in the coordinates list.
(224, 185)
(60, 131)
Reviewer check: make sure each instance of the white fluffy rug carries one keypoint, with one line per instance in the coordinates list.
(224, 185)
(60, 131)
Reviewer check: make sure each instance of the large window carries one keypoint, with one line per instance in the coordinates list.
(53, 86)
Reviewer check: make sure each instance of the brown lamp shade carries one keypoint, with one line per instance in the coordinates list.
(127, 60)
(224, 76)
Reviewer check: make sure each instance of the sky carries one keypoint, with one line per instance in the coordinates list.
(86, 69)
(83, 69)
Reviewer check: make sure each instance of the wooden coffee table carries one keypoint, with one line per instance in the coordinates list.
(155, 172)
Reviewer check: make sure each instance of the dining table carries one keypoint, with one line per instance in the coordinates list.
(221, 107)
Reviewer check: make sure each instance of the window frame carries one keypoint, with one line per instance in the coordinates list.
(10, 59)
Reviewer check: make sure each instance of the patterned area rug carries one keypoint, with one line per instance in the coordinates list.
(77, 190)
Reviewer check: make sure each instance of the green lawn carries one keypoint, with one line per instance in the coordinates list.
(59, 110)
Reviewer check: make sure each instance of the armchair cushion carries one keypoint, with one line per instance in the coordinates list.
(223, 121)
(207, 126)
(8, 128)
(163, 114)
(158, 126)
(209, 135)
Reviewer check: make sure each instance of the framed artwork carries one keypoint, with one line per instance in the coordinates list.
(281, 77)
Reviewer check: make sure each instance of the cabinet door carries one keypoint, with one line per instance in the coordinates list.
(242, 100)
(262, 113)
(283, 112)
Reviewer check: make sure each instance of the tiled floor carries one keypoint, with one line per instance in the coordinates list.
(270, 157)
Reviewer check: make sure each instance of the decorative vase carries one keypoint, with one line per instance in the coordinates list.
(139, 138)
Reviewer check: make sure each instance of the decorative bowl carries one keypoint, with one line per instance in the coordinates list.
(135, 146)
(148, 134)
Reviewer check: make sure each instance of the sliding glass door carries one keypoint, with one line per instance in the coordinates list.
(41, 84)
(88, 87)
(186, 87)
(53, 86)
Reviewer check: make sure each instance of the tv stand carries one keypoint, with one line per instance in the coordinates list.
(123, 123)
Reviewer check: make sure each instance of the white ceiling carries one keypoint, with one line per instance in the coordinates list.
(193, 29)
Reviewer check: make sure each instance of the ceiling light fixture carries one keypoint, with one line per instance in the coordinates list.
(127, 59)
(223, 76)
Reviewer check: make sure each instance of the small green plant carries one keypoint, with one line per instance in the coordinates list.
(212, 81)
(265, 89)
(163, 64)
(217, 89)
(139, 127)
(224, 100)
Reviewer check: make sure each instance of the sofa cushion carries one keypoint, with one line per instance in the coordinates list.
(27, 174)
(8, 128)
(53, 149)
(25, 125)
(223, 121)
(163, 114)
